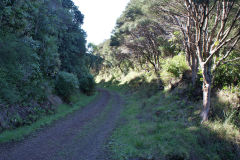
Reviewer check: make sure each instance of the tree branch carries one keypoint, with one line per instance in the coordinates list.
(226, 55)
(225, 35)
(236, 59)
(212, 52)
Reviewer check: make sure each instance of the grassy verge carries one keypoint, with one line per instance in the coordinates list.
(79, 101)
(162, 126)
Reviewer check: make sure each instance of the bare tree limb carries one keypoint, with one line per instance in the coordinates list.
(236, 59)
(226, 55)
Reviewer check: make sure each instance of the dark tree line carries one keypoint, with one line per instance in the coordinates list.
(38, 40)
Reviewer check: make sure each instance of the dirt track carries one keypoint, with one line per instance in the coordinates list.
(80, 136)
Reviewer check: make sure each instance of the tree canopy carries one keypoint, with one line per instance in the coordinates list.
(39, 39)
(206, 32)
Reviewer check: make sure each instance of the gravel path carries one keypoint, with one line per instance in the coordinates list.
(80, 136)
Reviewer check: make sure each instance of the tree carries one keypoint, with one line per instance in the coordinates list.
(217, 32)
(210, 32)
(172, 14)
(144, 43)
(48, 34)
(141, 38)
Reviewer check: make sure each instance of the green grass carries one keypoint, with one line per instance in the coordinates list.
(162, 126)
(79, 101)
(165, 127)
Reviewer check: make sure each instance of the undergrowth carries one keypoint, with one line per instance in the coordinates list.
(165, 125)
(162, 126)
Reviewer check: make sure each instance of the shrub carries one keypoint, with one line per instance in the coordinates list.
(66, 85)
(20, 71)
(87, 84)
(227, 75)
(176, 66)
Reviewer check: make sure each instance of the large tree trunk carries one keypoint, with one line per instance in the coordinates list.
(206, 101)
(193, 63)
(194, 77)
(194, 69)
(159, 81)
(206, 92)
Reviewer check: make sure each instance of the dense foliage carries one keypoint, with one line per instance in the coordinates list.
(150, 33)
(42, 48)
(66, 84)
(193, 48)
